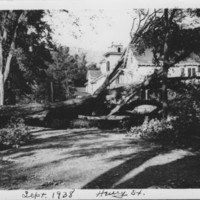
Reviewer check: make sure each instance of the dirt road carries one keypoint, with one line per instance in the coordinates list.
(92, 158)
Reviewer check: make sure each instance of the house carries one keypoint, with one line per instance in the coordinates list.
(96, 77)
(137, 68)
(80, 92)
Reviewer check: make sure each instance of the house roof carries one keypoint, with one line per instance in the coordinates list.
(193, 59)
(145, 59)
(102, 61)
(94, 74)
(112, 53)
(99, 77)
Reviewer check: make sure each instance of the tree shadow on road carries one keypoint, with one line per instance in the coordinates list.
(158, 168)
(110, 177)
(182, 173)
(55, 139)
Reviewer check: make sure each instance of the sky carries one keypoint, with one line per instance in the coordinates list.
(93, 29)
(111, 24)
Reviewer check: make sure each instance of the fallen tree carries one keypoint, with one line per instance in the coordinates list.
(46, 112)
(23, 110)
(95, 105)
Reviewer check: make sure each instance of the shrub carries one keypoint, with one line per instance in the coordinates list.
(185, 123)
(15, 133)
(188, 117)
(155, 129)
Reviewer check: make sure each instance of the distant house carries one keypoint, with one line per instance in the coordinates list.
(137, 67)
(97, 77)
(80, 92)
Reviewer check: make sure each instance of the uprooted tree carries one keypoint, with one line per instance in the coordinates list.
(166, 33)
(171, 40)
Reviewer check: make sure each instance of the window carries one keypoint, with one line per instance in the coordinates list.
(193, 72)
(189, 72)
(108, 66)
(182, 72)
(199, 68)
(119, 50)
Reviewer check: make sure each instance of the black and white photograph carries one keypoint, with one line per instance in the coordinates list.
(102, 98)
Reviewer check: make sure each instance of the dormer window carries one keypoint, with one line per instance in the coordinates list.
(108, 66)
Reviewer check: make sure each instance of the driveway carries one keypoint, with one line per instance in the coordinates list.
(92, 158)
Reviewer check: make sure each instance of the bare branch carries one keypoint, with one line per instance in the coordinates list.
(133, 24)
(172, 16)
(145, 15)
(149, 19)
(139, 24)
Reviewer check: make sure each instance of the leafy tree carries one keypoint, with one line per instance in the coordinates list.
(170, 36)
(80, 77)
(25, 43)
(63, 76)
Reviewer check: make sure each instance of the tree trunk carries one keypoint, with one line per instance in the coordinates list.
(52, 94)
(1, 90)
(164, 94)
(1, 75)
(30, 109)
(5, 67)
(165, 65)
